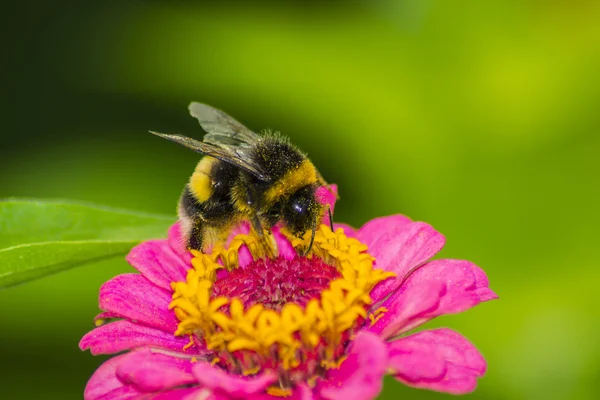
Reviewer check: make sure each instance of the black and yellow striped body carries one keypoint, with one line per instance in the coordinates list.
(205, 207)
(219, 195)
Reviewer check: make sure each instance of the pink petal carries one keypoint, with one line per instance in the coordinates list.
(106, 315)
(348, 230)
(406, 307)
(244, 256)
(439, 359)
(233, 385)
(327, 196)
(104, 383)
(303, 392)
(284, 246)
(158, 262)
(360, 377)
(193, 393)
(372, 230)
(150, 371)
(437, 288)
(133, 297)
(122, 393)
(401, 248)
(122, 335)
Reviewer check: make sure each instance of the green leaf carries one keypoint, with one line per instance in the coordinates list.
(39, 238)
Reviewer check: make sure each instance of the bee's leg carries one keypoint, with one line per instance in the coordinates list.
(267, 242)
(257, 226)
(195, 240)
(312, 239)
(330, 219)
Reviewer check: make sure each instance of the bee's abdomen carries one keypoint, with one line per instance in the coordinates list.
(208, 192)
(189, 205)
(190, 216)
(223, 176)
(206, 208)
(200, 184)
(218, 210)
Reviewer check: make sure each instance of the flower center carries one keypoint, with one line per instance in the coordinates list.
(276, 282)
(295, 317)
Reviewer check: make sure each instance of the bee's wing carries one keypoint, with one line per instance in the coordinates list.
(238, 156)
(222, 130)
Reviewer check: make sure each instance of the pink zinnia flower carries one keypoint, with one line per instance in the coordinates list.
(235, 324)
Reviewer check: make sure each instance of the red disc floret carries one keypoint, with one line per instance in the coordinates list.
(275, 282)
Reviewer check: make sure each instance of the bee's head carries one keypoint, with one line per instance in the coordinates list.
(302, 212)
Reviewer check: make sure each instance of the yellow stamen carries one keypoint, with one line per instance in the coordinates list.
(333, 364)
(377, 314)
(259, 247)
(251, 371)
(279, 392)
(289, 333)
(189, 344)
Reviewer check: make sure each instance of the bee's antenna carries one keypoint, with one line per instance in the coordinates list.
(312, 239)
(330, 219)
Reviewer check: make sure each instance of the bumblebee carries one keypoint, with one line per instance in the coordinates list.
(244, 176)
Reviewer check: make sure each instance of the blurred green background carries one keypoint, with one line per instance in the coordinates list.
(481, 118)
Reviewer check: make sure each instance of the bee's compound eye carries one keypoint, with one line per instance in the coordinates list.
(300, 211)
(299, 207)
